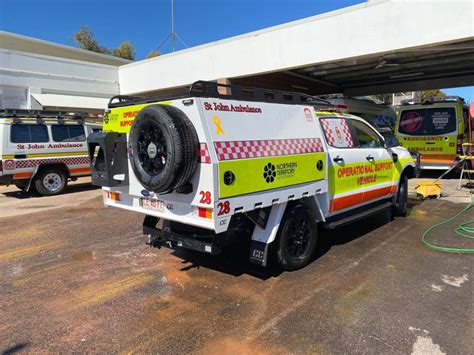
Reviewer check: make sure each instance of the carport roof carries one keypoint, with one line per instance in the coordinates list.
(374, 47)
(450, 64)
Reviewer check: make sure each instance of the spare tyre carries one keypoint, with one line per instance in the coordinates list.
(163, 148)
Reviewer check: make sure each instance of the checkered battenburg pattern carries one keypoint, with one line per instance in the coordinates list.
(329, 132)
(347, 133)
(31, 163)
(267, 148)
(205, 156)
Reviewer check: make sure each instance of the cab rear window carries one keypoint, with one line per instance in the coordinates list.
(29, 133)
(337, 132)
(428, 121)
(68, 133)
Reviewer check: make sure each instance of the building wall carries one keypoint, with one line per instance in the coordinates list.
(23, 73)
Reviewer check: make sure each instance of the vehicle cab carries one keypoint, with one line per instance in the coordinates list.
(362, 169)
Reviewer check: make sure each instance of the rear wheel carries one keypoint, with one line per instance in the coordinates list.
(401, 204)
(50, 182)
(296, 239)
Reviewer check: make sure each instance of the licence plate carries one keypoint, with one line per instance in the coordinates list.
(152, 204)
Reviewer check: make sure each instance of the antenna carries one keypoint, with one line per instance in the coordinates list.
(173, 35)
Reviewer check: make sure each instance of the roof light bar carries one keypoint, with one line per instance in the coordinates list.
(434, 99)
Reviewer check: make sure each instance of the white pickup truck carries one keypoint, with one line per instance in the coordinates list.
(217, 163)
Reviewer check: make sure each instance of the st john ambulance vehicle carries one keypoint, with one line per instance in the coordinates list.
(42, 151)
(207, 168)
(436, 128)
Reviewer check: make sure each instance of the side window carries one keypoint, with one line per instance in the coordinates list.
(20, 134)
(366, 136)
(337, 132)
(28, 133)
(77, 133)
(68, 133)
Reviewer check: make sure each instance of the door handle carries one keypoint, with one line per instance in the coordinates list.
(20, 156)
(338, 159)
(429, 142)
(369, 158)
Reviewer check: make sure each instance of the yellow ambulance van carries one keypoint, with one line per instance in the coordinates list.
(435, 127)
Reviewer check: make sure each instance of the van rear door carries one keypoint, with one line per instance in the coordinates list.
(432, 131)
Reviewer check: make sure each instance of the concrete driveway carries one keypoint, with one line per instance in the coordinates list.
(77, 277)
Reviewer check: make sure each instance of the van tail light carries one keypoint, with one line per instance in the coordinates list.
(112, 195)
(205, 212)
(1, 165)
(459, 141)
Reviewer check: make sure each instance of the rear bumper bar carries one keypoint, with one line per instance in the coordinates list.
(163, 236)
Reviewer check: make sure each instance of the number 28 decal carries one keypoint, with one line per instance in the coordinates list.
(224, 208)
(205, 197)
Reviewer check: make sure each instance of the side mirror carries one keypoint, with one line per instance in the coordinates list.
(391, 141)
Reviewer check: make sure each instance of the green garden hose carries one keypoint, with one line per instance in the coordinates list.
(465, 230)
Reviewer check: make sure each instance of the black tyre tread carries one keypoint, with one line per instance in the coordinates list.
(397, 209)
(276, 252)
(189, 141)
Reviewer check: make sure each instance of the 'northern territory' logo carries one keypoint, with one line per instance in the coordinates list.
(272, 172)
(269, 172)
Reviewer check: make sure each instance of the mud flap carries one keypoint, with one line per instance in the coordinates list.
(262, 237)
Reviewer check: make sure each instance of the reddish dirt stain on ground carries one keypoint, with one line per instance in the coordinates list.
(237, 347)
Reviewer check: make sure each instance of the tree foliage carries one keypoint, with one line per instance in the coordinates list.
(85, 39)
(154, 53)
(125, 51)
(432, 93)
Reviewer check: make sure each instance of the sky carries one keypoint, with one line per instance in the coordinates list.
(147, 23)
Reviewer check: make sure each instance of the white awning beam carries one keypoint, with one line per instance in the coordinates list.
(80, 102)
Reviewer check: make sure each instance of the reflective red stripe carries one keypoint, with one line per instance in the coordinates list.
(437, 158)
(22, 175)
(340, 203)
(79, 170)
